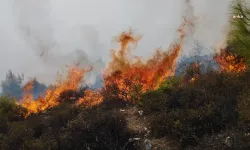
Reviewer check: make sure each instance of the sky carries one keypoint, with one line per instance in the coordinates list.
(39, 37)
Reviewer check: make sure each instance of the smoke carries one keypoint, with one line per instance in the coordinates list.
(39, 38)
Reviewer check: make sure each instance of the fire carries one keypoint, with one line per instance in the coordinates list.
(135, 75)
(51, 96)
(230, 62)
(131, 75)
(194, 72)
(90, 98)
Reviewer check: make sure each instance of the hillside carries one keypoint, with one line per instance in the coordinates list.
(197, 115)
(202, 102)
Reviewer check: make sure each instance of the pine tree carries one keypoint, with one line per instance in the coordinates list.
(239, 32)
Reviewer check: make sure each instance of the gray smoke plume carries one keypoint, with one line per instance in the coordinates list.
(38, 38)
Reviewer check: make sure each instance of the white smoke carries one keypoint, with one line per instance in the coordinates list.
(38, 38)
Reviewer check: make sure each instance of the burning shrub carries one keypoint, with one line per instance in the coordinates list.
(132, 75)
(230, 62)
(51, 96)
(68, 95)
(192, 72)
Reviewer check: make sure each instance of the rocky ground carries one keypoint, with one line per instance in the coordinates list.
(138, 123)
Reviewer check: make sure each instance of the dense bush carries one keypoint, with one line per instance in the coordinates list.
(206, 106)
(9, 111)
(95, 129)
(196, 114)
(8, 108)
(239, 33)
(198, 109)
(68, 127)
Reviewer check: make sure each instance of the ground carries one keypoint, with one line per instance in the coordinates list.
(138, 122)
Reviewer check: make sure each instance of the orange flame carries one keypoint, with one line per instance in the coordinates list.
(90, 98)
(230, 62)
(132, 76)
(127, 73)
(195, 71)
(51, 98)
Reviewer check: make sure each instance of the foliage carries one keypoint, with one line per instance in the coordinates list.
(190, 111)
(201, 114)
(239, 33)
(66, 127)
(194, 113)
(12, 85)
(96, 129)
(170, 84)
(9, 110)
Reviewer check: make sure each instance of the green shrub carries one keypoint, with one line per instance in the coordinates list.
(239, 33)
(170, 84)
(9, 109)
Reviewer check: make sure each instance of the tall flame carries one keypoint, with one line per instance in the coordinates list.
(132, 76)
(51, 98)
(126, 72)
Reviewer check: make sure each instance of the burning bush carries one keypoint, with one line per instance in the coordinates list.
(230, 62)
(67, 89)
(132, 77)
(67, 127)
(186, 111)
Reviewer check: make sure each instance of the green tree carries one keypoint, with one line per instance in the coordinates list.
(239, 33)
(12, 85)
(8, 108)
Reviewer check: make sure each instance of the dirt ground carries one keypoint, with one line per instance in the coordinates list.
(138, 123)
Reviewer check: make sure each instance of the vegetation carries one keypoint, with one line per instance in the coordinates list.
(239, 34)
(197, 109)
(196, 114)
(211, 105)
(66, 127)
(12, 86)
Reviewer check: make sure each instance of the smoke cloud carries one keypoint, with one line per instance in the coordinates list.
(39, 38)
